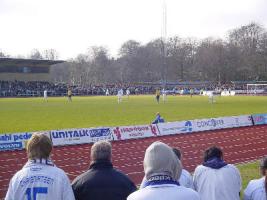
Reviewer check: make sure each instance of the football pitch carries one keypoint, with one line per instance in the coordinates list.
(34, 114)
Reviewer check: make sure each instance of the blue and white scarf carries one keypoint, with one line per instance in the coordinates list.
(160, 180)
(42, 161)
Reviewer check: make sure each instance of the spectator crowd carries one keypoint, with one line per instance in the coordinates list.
(165, 178)
(36, 88)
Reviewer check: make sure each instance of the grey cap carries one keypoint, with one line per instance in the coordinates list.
(160, 160)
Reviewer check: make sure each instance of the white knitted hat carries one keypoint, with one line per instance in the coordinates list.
(161, 160)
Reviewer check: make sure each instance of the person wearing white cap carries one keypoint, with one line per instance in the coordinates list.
(162, 169)
(257, 189)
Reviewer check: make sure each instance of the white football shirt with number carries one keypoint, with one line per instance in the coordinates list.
(40, 180)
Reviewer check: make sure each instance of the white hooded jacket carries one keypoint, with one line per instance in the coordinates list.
(217, 184)
(160, 160)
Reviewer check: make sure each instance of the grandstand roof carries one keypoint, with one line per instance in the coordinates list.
(28, 62)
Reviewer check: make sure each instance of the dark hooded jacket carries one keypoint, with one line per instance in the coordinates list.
(102, 182)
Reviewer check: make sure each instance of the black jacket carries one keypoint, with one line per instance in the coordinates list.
(102, 182)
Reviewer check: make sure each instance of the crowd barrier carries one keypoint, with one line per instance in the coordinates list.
(198, 125)
(12, 141)
(259, 119)
(134, 132)
(79, 136)
(224, 93)
(228, 93)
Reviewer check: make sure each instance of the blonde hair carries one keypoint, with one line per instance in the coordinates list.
(39, 146)
(101, 150)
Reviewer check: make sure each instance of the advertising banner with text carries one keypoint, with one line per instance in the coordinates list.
(133, 132)
(171, 128)
(221, 122)
(79, 136)
(12, 141)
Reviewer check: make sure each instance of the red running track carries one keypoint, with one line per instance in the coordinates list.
(239, 145)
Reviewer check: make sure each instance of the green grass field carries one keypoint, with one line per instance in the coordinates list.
(33, 114)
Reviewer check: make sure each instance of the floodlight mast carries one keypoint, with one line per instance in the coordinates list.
(163, 41)
(164, 21)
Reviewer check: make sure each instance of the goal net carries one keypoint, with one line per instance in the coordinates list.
(256, 89)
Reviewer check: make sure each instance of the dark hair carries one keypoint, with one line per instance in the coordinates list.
(212, 152)
(177, 153)
(263, 166)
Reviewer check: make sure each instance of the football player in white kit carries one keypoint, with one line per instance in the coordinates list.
(107, 92)
(211, 97)
(45, 95)
(39, 179)
(164, 95)
(120, 94)
(128, 93)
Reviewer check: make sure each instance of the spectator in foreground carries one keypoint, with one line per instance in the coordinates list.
(215, 179)
(102, 181)
(185, 179)
(257, 189)
(162, 169)
(158, 119)
(39, 178)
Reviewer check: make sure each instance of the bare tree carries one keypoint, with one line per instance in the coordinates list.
(35, 54)
(2, 54)
(50, 54)
(243, 56)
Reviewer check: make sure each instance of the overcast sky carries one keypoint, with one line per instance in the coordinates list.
(71, 26)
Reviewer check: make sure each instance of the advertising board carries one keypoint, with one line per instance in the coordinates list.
(79, 136)
(134, 132)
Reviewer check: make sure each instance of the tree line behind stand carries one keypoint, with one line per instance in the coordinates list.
(242, 55)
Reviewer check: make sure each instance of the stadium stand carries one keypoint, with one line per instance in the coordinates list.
(12, 69)
(36, 88)
(29, 78)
